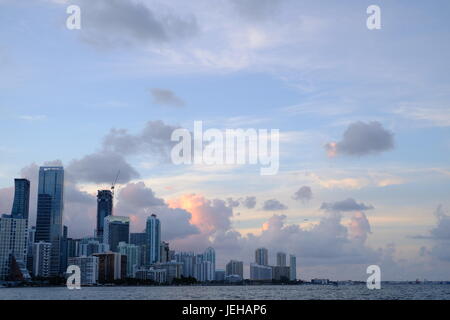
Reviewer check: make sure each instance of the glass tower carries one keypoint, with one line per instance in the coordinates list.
(153, 230)
(50, 209)
(104, 209)
(21, 203)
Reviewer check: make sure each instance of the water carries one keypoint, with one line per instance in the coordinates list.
(302, 292)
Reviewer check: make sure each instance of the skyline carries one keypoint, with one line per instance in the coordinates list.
(107, 97)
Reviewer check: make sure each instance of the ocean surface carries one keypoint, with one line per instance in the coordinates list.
(299, 292)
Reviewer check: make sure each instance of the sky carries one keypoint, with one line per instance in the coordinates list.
(363, 115)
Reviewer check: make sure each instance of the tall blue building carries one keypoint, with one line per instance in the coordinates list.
(153, 230)
(50, 209)
(104, 209)
(21, 202)
(116, 230)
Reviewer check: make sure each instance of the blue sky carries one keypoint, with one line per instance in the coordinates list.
(308, 68)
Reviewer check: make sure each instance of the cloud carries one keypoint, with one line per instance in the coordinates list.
(273, 205)
(438, 116)
(209, 216)
(102, 167)
(166, 97)
(359, 227)
(233, 203)
(345, 206)
(249, 202)
(6, 200)
(138, 202)
(117, 23)
(139, 195)
(154, 140)
(257, 10)
(303, 194)
(362, 139)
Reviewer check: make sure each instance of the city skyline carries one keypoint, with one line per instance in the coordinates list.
(363, 120)
(112, 254)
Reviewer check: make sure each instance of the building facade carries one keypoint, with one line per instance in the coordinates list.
(116, 229)
(235, 268)
(104, 209)
(111, 266)
(50, 208)
(13, 243)
(21, 204)
(281, 259)
(293, 267)
(41, 259)
(260, 273)
(153, 231)
(88, 268)
(262, 256)
(133, 257)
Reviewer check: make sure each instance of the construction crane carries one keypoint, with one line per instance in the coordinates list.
(113, 185)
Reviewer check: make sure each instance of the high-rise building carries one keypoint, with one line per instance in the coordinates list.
(63, 251)
(13, 243)
(281, 273)
(260, 272)
(262, 256)
(219, 275)
(73, 247)
(133, 257)
(89, 246)
(153, 231)
(111, 266)
(41, 259)
(210, 256)
(158, 275)
(292, 267)
(174, 270)
(88, 268)
(164, 252)
(281, 259)
(235, 268)
(203, 271)
(50, 209)
(21, 202)
(140, 240)
(188, 260)
(116, 229)
(104, 209)
(30, 243)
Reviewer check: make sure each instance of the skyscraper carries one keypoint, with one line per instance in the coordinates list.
(260, 272)
(292, 267)
(235, 268)
(281, 259)
(164, 252)
(153, 230)
(210, 256)
(13, 243)
(133, 257)
(50, 209)
(41, 259)
(104, 209)
(21, 203)
(116, 229)
(262, 256)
